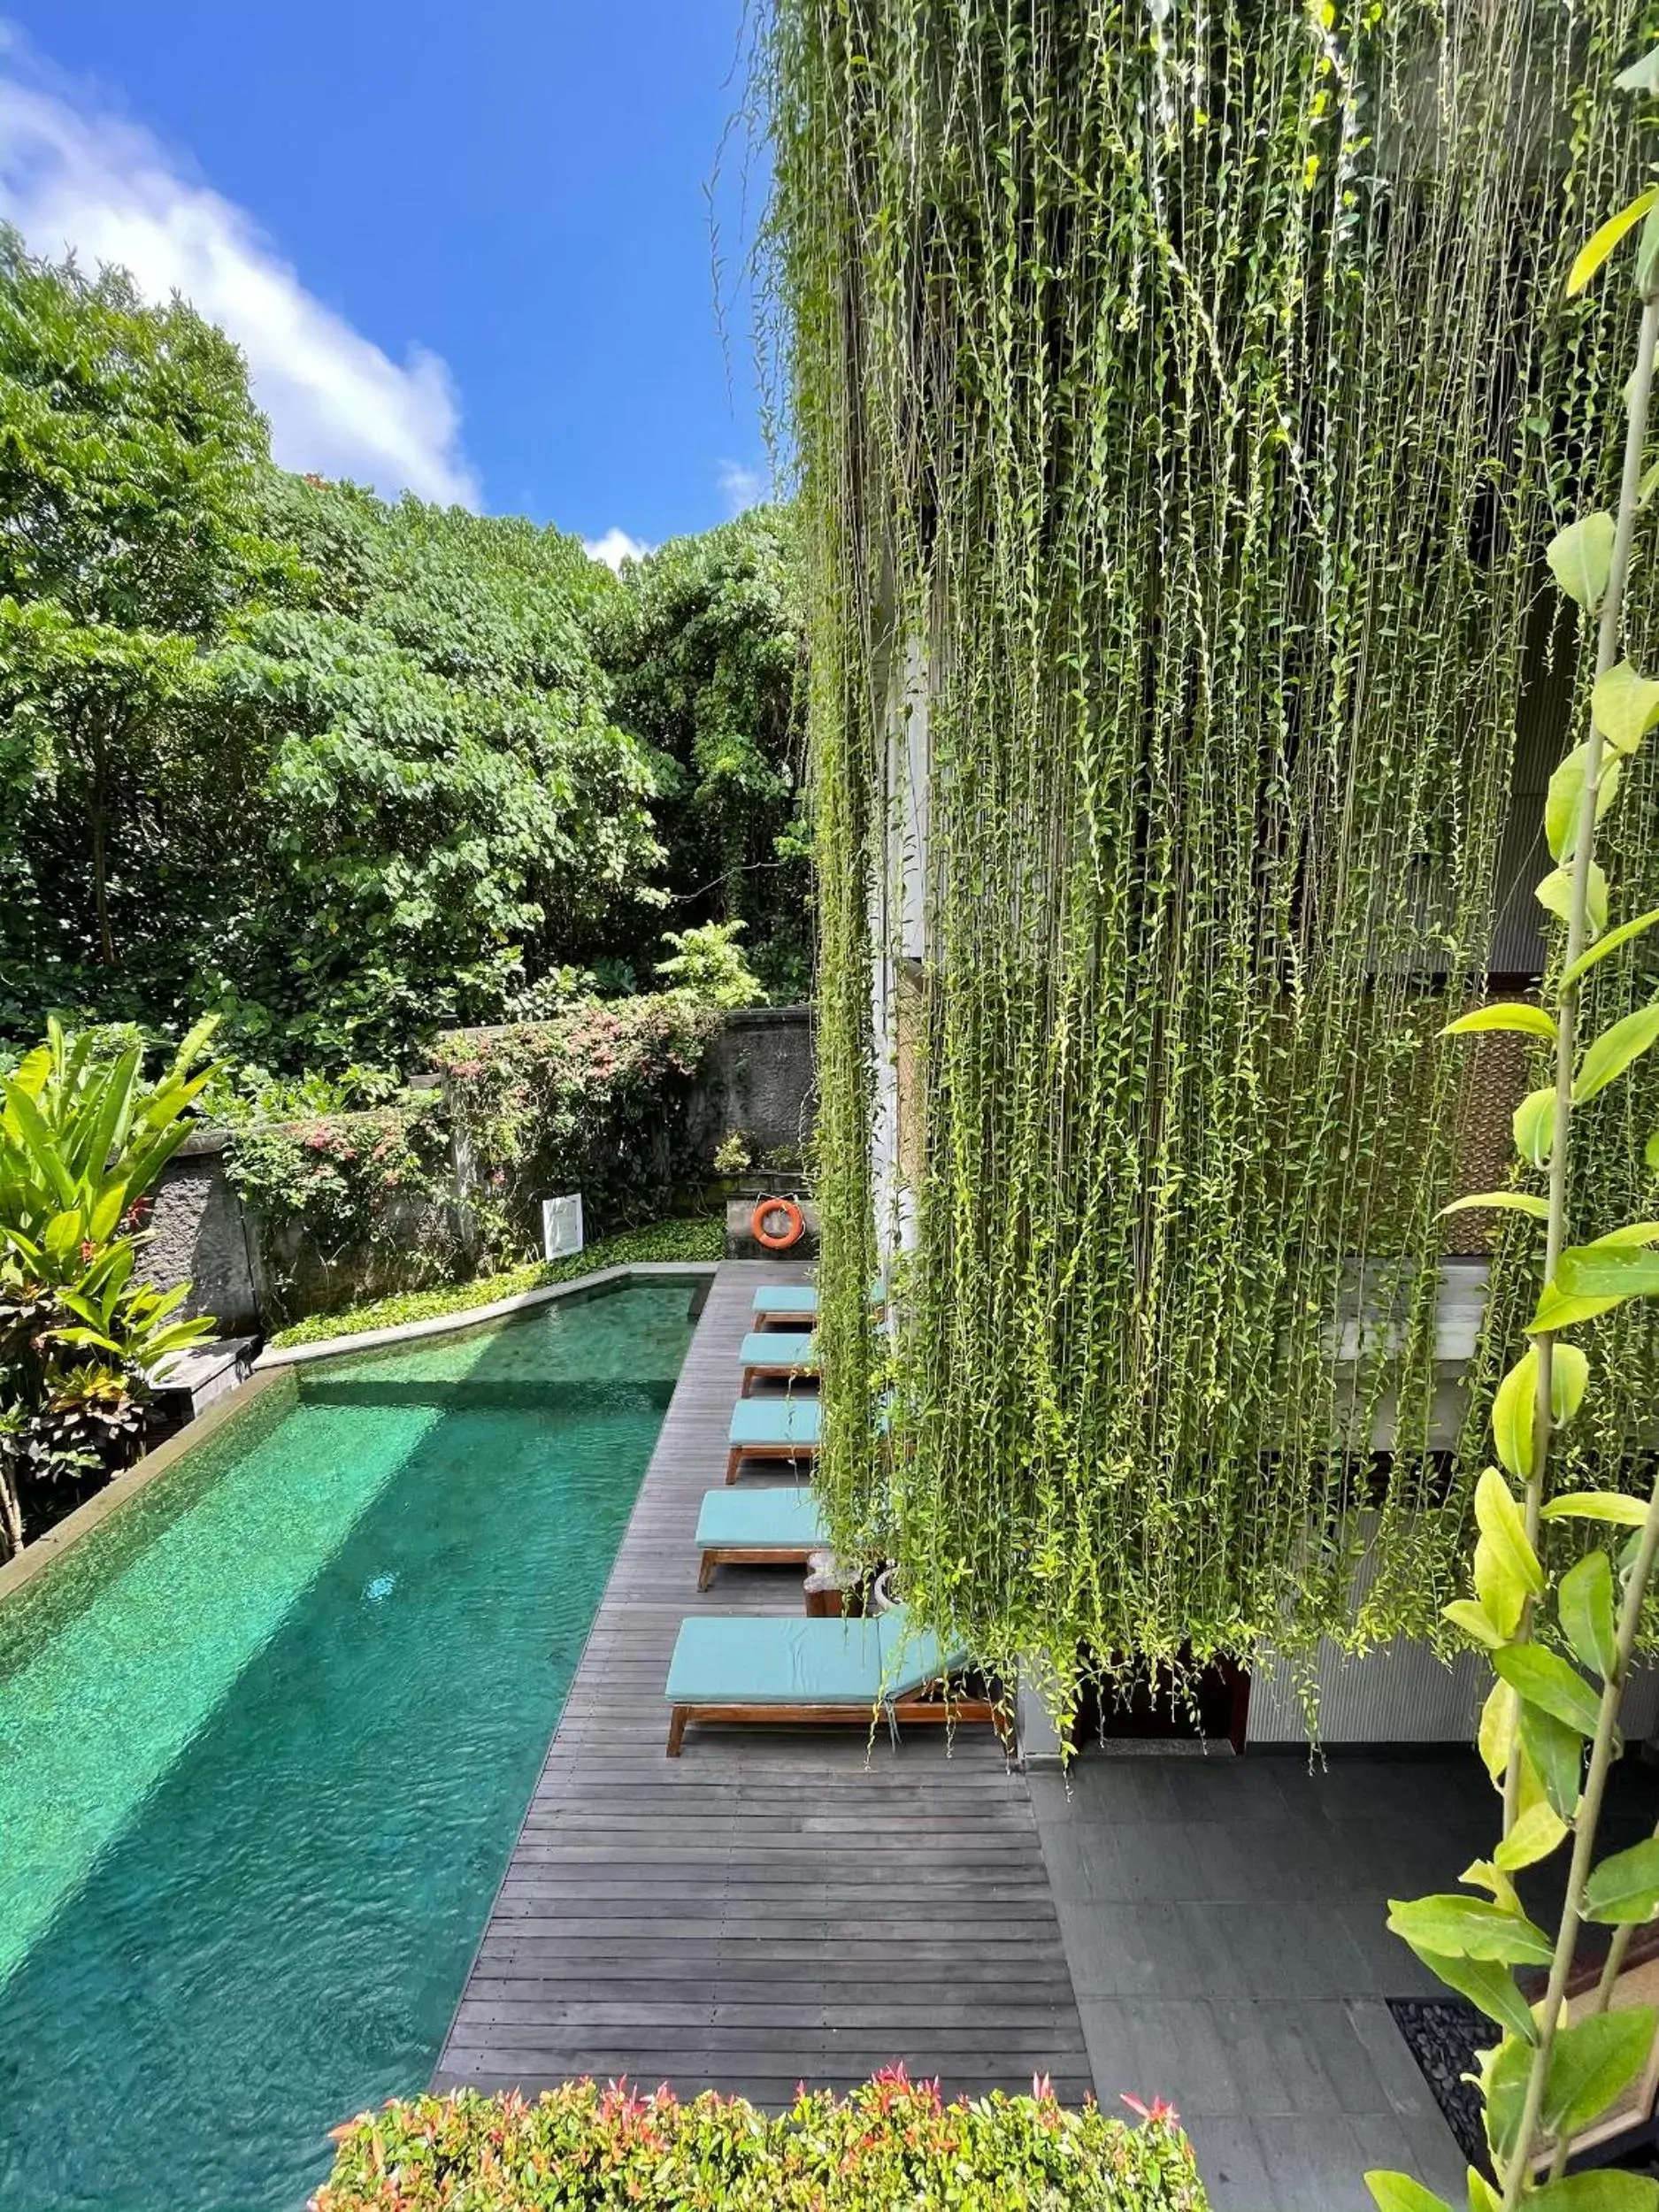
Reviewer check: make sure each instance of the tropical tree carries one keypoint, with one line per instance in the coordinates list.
(704, 645)
(446, 813)
(128, 447)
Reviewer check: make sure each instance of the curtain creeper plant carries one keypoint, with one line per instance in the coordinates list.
(1561, 1643)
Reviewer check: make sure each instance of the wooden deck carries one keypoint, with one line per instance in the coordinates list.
(775, 1905)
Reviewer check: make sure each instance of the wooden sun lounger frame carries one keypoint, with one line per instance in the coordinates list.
(796, 1554)
(777, 1370)
(921, 1705)
(801, 1318)
(794, 1453)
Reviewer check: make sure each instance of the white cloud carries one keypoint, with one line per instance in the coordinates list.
(71, 177)
(615, 546)
(743, 487)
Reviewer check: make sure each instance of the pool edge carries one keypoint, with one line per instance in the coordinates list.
(47, 1549)
(278, 1356)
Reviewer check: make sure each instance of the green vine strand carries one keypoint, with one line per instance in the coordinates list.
(1191, 389)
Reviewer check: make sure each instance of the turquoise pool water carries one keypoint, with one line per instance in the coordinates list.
(265, 1739)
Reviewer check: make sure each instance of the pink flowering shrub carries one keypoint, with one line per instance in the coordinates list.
(892, 2142)
(593, 1099)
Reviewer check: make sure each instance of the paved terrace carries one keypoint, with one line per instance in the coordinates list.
(775, 1905)
(778, 1905)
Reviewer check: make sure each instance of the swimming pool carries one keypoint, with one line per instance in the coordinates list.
(266, 1735)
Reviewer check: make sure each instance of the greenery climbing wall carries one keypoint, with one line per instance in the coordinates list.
(1194, 383)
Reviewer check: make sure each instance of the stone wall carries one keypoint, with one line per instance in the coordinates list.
(759, 1077)
(199, 1234)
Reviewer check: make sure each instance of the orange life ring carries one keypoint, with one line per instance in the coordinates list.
(776, 1239)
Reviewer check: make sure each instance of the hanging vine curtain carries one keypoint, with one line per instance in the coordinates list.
(1191, 383)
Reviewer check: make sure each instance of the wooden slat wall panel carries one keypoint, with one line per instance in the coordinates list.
(775, 1905)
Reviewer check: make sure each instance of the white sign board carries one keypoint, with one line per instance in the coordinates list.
(562, 1226)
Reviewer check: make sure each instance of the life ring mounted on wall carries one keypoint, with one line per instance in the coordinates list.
(779, 1224)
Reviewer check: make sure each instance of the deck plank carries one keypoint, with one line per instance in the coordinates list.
(776, 1905)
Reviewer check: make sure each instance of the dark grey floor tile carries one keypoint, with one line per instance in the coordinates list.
(1157, 1860)
(1318, 2165)
(1081, 1861)
(1127, 1862)
(1158, 1950)
(1110, 1789)
(1397, 2072)
(1158, 2047)
(1221, 1788)
(1388, 1968)
(1302, 2056)
(1435, 1787)
(1435, 2161)
(1278, 1950)
(1230, 2163)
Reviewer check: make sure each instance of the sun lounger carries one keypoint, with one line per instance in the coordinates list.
(777, 1525)
(785, 1306)
(784, 1669)
(794, 1305)
(771, 1428)
(776, 1352)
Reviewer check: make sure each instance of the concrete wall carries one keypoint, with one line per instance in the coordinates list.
(758, 1076)
(199, 1235)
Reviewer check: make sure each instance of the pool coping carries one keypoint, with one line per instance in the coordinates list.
(478, 1317)
(271, 1369)
(44, 1550)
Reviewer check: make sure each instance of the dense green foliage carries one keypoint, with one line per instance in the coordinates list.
(1190, 391)
(83, 1141)
(704, 643)
(892, 2142)
(593, 1102)
(341, 772)
(686, 1237)
(382, 1195)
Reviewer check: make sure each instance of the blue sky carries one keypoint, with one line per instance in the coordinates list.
(467, 249)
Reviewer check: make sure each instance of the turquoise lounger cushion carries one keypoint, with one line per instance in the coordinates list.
(786, 1298)
(787, 1659)
(760, 1519)
(774, 1422)
(777, 1347)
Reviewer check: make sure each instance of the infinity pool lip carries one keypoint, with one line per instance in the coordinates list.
(476, 1317)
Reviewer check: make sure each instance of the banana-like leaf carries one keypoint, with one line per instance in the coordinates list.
(1501, 1522)
(1569, 1378)
(1554, 894)
(1544, 1679)
(43, 1154)
(1585, 1603)
(1610, 1506)
(1398, 2192)
(1533, 1124)
(1513, 1415)
(1624, 1890)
